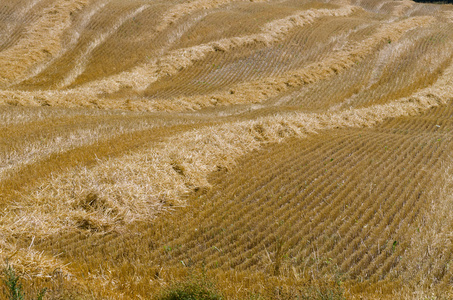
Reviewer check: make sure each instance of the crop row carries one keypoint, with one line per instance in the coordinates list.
(349, 201)
(97, 56)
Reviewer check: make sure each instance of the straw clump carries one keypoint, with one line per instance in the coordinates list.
(140, 184)
(302, 151)
(170, 64)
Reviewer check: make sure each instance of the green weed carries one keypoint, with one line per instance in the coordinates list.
(13, 286)
(196, 288)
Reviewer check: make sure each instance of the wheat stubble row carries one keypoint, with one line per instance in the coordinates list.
(318, 146)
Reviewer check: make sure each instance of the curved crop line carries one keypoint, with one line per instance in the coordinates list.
(179, 31)
(10, 27)
(83, 59)
(183, 9)
(170, 18)
(403, 7)
(221, 144)
(199, 152)
(41, 40)
(259, 90)
(142, 76)
(35, 151)
(74, 38)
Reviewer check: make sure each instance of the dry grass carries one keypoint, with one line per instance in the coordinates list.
(300, 147)
(40, 41)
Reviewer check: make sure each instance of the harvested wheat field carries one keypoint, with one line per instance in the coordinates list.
(264, 149)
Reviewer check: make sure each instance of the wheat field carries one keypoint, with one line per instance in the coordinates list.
(273, 146)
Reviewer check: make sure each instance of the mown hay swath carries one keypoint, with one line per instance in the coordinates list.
(280, 148)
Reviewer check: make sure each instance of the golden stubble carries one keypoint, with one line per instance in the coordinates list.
(41, 40)
(138, 184)
(170, 64)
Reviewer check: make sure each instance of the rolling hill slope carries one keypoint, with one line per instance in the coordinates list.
(272, 144)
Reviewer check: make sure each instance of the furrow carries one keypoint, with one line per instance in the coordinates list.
(140, 77)
(73, 38)
(221, 70)
(260, 90)
(35, 45)
(248, 215)
(381, 265)
(83, 59)
(18, 11)
(349, 233)
(290, 216)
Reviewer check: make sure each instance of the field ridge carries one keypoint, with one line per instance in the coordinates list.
(273, 144)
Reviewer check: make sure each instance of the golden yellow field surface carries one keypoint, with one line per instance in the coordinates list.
(283, 149)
